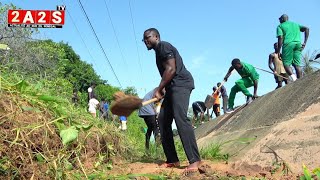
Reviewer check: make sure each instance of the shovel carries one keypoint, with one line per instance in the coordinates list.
(124, 105)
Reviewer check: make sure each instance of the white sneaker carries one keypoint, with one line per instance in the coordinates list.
(230, 110)
(249, 100)
(293, 77)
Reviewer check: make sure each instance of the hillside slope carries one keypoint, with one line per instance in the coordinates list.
(282, 126)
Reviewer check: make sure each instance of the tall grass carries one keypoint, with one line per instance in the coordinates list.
(215, 150)
(60, 138)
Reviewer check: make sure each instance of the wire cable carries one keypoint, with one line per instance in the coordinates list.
(95, 34)
(85, 44)
(135, 37)
(115, 34)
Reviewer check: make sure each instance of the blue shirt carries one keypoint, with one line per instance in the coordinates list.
(123, 118)
(105, 106)
(147, 110)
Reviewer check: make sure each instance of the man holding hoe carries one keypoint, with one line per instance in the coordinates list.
(178, 84)
(278, 69)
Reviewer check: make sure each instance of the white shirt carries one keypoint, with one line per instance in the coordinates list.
(89, 89)
(93, 105)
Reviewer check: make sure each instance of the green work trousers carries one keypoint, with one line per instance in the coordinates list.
(241, 85)
(291, 54)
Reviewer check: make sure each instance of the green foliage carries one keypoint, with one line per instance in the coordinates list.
(213, 152)
(308, 175)
(316, 171)
(134, 135)
(308, 62)
(106, 91)
(43, 58)
(96, 175)
(68, 135)
(49, 100)
(9, 35)
(21, 85)
(179, 148)
(80, 74)
(130, 91)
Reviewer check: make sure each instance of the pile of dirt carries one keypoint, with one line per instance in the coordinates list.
(31, 148)
(282, 127)
(208, 170)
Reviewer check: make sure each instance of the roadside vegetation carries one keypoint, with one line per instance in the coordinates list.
(45, 136)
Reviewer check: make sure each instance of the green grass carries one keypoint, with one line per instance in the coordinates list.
(74, 131)
(214, 152)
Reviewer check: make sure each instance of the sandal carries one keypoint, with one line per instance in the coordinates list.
(170, 165)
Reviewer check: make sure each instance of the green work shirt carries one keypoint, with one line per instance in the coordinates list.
(290, 32)
(248, 71)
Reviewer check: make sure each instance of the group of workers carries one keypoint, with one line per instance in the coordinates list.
(200, 107)
(289, 40)
(174, 90)
(102, 107)
(177, 83)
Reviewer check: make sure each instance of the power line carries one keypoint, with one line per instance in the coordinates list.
(115, 34)
(74, 24)
(135, 37)
(95, 34)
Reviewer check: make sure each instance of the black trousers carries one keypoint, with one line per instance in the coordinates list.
(175, 106)
(152, 127)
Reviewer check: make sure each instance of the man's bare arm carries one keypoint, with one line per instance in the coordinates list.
(255, 88)
(168, 74)
(280, 42)
(271, 56)
(228, 73)
(306, 35)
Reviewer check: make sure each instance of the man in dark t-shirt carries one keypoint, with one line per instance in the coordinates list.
(198, 107)
(178, 84)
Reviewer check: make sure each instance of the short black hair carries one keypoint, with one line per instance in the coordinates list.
(235, 61)
(154, 30)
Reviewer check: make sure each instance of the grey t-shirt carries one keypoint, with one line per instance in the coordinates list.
(147, 110)
(223, 91)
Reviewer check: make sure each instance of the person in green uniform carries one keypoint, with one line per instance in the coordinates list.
(249, 78)
(289, 39)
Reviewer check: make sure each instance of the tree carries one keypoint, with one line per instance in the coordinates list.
(308, 61)
(106, 91)
(56, 62)
(131, 91)
(11, 34)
